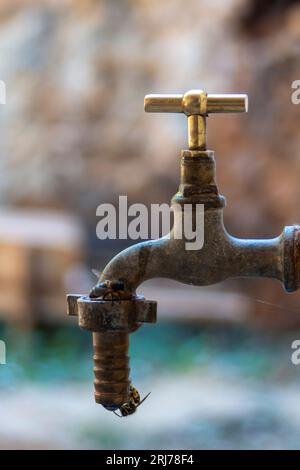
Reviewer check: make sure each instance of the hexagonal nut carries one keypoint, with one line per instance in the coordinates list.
(105, 315)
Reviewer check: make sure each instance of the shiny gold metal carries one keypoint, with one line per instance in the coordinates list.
(196, 105)
(197, 132)
(227, 103)
(163, 103)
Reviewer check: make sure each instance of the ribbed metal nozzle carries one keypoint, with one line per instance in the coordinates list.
(111, 368)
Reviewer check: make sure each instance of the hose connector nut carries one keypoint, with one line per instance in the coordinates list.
(111, 322)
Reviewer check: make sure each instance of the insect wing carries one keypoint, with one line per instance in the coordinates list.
(96, 273)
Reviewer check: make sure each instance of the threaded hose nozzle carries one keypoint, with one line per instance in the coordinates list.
(111, 368)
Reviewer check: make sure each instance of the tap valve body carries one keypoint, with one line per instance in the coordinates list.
(222, 256)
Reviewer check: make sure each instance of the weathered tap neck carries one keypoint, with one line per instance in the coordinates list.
(198, 180)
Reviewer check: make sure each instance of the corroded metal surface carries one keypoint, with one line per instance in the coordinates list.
(291, 259)
(222, 256)
(111, 322)
(111, 369)
(106, 315)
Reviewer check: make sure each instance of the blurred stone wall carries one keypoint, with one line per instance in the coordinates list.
(73, 132)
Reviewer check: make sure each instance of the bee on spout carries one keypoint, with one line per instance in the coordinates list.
(133, 403)
(108, 290)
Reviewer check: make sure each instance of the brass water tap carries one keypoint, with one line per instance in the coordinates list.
(222, 255)
(196, 105)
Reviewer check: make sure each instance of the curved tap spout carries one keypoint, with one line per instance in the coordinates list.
(222, 256)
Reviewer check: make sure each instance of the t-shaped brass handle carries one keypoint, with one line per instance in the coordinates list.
(196, 105)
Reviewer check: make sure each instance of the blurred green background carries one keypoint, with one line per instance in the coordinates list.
(211, 388)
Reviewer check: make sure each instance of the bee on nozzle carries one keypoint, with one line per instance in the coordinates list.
(107, 290)
(133, 403)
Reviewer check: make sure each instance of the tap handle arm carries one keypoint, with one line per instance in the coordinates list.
(196, 105)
